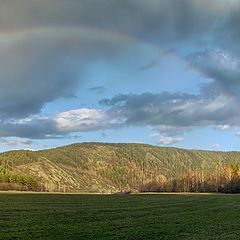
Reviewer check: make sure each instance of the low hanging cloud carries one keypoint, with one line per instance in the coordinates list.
(170, 115)
(167, 140)
(15, 142)
(215, 146)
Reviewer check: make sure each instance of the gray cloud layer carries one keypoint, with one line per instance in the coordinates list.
(175, 110)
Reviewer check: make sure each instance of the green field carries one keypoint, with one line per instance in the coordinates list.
(160, 216)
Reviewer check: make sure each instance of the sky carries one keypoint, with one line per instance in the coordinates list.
(160, 72)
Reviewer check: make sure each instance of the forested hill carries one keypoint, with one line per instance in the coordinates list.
(101, 167)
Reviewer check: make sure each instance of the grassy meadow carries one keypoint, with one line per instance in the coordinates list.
(143, 216)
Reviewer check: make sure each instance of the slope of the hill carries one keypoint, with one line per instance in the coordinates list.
(97, 167)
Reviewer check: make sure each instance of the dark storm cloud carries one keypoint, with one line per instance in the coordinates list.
(31, 76)
(137, 17)
(42, 67)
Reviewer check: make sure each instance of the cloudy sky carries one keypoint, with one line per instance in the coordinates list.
(163, 72)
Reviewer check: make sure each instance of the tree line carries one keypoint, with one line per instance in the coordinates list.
(224, 180)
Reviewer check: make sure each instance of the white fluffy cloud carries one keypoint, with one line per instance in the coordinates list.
(61, 124)
(82, 120)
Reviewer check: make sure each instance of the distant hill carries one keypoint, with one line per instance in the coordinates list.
(104, 167)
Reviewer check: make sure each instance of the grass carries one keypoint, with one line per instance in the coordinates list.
(158, 216)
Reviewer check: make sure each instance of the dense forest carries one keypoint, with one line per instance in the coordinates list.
(109, 168)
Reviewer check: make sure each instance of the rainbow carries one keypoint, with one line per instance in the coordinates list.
(86, 33)
(70, 32)
(76, 32)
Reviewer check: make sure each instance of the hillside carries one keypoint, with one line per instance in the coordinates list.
(101, 167)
